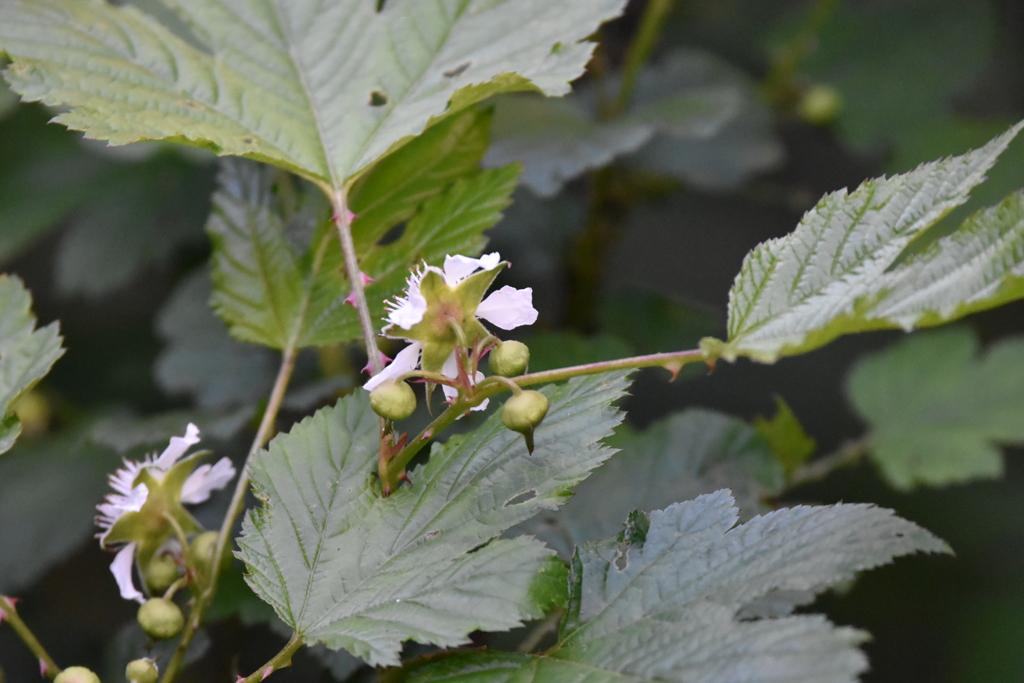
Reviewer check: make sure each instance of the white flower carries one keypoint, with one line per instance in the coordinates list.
(506, 308)
(143, 531)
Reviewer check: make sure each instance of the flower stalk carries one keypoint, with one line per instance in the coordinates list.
(392, 469)
(9, 613)
(281, 660)
(263, 434)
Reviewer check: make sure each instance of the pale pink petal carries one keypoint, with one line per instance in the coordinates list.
(458, 268)
(207, 479)
(406, 360)
(451, 369)
(116, 505)
(177, 448)
(508, 308)
(121, 568)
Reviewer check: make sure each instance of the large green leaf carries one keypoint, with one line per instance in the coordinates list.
(26, 354)
(344, 566)
(323, 90)
(279, 279)
(936, 410)
(687, 595)
(839, 271)
(693, 452)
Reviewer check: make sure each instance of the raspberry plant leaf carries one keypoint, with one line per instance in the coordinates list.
(344, 566)
(26, 353)
(279, 278)
(937, 409)
(678, 458)
(696, 597)
(321, 90)
(840, 271)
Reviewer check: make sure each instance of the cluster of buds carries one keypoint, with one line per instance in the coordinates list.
(442, 315)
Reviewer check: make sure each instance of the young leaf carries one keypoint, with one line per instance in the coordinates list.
(26, 354)
(786, 437)
(276, 293)
(701, 599)
(344, 566)
(936, 409)
(693, 452)
(838, 272)
(320, 90)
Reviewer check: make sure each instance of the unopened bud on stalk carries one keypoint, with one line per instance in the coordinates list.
(141, 671)
(393, 400)
(161, 573)
(76, 674)
(201, 552)
(160, 619)
(523, 412)
(510, 359)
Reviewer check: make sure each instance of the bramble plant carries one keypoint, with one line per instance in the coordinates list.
(346, 123)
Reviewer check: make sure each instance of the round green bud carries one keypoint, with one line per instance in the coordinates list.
(76, 674)
(160, 619)
(510, 359)
(524, 411)
(393, 400)
(161, 573)
(141, 671)
(202, 550)
(820, 105)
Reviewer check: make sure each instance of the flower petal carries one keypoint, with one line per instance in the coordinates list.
(177, 448)
(451, 369)
(508, 308)
(116, 505)
(207, 479)
(457, 268)
(406, 360)
(121, 568)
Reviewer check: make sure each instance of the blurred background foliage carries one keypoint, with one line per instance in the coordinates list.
(640, 195)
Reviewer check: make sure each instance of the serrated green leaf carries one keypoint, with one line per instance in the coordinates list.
(322, 91)
(344, 566)
(689, 453)
(26, 353)
(706, 600)
(838, 272)
(274, 292)
(936, 408)
(786, 437)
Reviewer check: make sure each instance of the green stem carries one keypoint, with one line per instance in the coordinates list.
(263, 433)
(10, 615)
(491, 386)
(639, 51)
(850, 453)
(342, 219)
(280, 660)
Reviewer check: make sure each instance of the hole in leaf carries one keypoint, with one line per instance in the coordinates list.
(521, 498)
(378, 98)
(457, 70)
(621, 561)
(392, 235)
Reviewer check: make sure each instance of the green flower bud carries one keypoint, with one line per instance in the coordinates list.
(201, 552)
(524, 411)
(393, 400)
(160, 619)
(510, 359)
(141, 671)
(76, 674)
(161, 573)
(820, 105)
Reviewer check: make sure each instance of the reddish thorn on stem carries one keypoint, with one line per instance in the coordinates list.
(365, 279)
(405, 477)
(266, 672)
(43, 668)
(711, 365)
(351, 299)
(384, 360)
(674, 368)
(426, 435)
